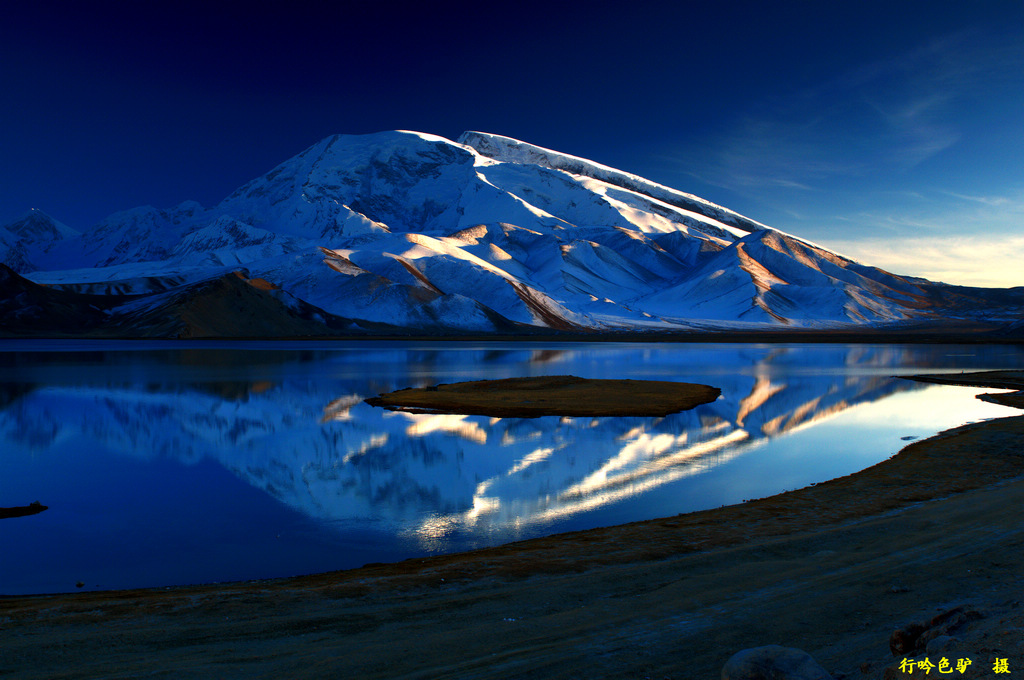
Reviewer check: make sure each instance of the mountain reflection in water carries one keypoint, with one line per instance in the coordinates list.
(292, 423)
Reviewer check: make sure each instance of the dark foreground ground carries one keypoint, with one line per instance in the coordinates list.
(832, 569)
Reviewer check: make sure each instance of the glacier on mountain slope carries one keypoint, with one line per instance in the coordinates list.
(645, 192)
(486, 234)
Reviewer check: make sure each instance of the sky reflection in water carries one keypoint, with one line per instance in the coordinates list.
(187, 464)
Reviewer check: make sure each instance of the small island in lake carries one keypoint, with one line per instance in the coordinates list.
(556, 395)
(32, 508)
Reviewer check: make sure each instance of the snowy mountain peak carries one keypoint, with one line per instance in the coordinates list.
(27, 240)
(36, 227)
(486, 235)
(514, 151)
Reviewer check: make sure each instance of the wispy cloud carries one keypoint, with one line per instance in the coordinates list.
(961, 260)
(964, 240)
(887, 116)
(947, 213)
(993, 201)
(782, 153)
(914, 96)
(882, 162)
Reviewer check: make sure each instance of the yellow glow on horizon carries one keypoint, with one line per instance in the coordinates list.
(960, 261)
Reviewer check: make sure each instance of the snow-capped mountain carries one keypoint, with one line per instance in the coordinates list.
(487, 234)
(28, 237)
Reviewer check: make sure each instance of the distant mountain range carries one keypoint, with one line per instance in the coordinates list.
(401, 233)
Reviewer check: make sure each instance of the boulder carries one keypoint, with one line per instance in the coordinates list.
(773, 662)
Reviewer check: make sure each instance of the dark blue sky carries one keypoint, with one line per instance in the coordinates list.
(891, 131)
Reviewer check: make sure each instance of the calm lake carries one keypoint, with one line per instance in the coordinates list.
(169, 463)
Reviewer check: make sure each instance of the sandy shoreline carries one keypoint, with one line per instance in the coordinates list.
(832, 569)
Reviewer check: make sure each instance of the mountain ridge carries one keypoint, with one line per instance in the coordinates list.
(409, 232)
